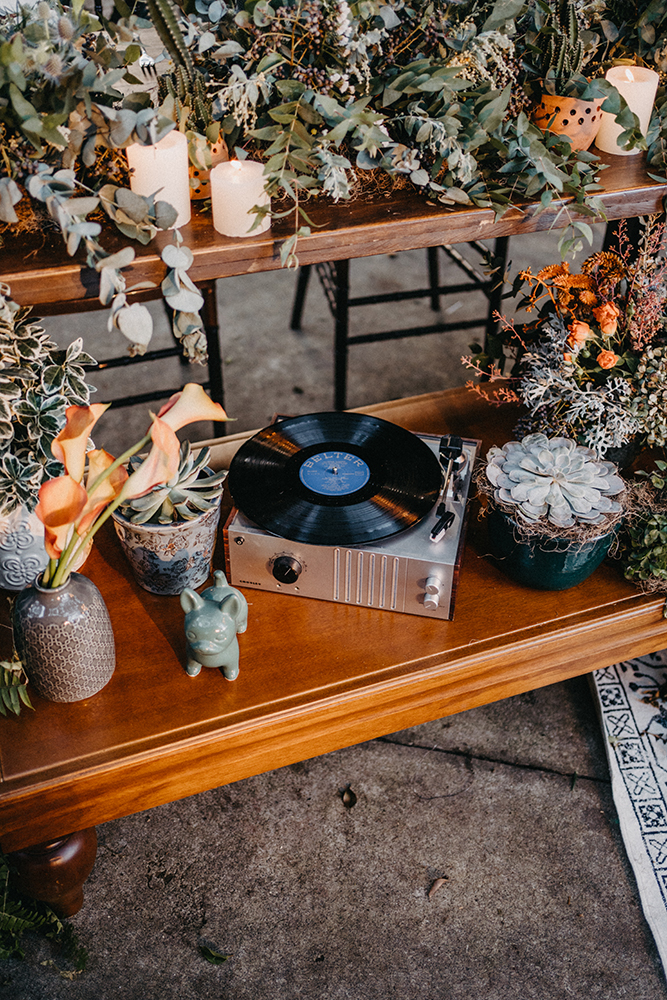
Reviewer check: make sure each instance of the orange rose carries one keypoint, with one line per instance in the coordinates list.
(607, 359)
(607, 316)
(579, 333)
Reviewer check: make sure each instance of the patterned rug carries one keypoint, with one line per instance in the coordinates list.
(632, 701)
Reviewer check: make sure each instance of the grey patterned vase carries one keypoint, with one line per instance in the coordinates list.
(64, 638)
(167, 558)
(22, 552)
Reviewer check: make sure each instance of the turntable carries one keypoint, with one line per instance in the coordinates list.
(350, 508)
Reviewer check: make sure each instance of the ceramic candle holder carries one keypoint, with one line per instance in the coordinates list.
(236, 187)
(638, 86)
(163, 170)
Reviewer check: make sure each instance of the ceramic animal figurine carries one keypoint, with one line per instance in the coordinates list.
(212, 621)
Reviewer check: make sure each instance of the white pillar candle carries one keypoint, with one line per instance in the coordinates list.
(162, 170)
(638, 86)
(236, 187)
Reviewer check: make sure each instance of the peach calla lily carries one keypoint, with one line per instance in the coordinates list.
(108, 489)
(69, 447)
(71, 514)
(160, 465)
(189, 405)
(61, 502)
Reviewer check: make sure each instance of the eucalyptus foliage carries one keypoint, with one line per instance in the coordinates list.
(435, 95)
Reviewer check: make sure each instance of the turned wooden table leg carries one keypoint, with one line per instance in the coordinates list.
(54, 872)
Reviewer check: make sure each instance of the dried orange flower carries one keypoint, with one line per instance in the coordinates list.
(607, 359)
(607, 316)
(580, 332)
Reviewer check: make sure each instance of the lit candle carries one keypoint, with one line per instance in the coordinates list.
(236, 187)
(162, 170)
(638, 86)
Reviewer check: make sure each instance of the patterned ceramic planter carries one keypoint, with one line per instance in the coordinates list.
(166, 558)
(22, 553)
(65, 639)
(543, 563)
(578, 120)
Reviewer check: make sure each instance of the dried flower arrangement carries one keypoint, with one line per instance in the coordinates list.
(593, 366)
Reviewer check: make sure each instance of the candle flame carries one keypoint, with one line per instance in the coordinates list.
(629, 75)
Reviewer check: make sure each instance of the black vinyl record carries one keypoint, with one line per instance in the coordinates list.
(334, 478)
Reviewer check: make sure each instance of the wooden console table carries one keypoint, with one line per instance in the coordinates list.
(315, 676)
(38, 270)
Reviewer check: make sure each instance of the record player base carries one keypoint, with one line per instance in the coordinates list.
(315, 676)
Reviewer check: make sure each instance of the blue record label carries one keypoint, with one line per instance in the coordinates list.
(334, 473)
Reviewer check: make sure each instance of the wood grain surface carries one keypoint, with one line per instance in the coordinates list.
(315, 676)
(39, 272)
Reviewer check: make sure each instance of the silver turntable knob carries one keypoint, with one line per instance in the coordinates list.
(432, 595)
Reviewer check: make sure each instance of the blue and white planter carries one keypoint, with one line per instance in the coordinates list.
(166, 558)
(22, 552)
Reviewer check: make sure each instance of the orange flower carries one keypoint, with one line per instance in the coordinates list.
(567, 358)
(61, 501)
(98, 462)
(189, 405)
(580, 332)
(160, 465)
(607, 316)
(71, 514)
(70, 445)
(607, 359)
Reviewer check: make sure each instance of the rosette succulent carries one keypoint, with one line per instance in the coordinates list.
(191, 491)
(555, 480)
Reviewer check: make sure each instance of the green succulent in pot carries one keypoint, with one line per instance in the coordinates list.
(194, 490)
(554, 479)
(553, 509)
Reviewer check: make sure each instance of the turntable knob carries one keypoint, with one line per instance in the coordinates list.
(432, 595)
(287, 569)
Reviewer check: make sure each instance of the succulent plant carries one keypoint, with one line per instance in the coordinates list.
(561, 49)
(187, 495)
(553, 479)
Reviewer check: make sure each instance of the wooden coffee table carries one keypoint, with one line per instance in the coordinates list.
(315, 676)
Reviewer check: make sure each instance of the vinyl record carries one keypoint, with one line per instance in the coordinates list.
(334, 478)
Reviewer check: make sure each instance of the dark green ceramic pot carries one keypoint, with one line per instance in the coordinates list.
(543, 563)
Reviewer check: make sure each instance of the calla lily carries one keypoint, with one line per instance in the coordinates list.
(71, 514)
(107, 490)
(189, 405)
(61, 502)
(160, 465)
(69, 447)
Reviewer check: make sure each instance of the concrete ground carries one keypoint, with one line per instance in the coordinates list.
(471, 858)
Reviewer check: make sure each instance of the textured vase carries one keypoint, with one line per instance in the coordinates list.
(22, 552)
(64, 638)
(569, 116)
(542, 562)
(166, 558)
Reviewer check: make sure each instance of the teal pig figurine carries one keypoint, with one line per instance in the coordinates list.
(212, 621)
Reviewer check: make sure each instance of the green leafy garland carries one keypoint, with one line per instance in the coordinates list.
(328, 94)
